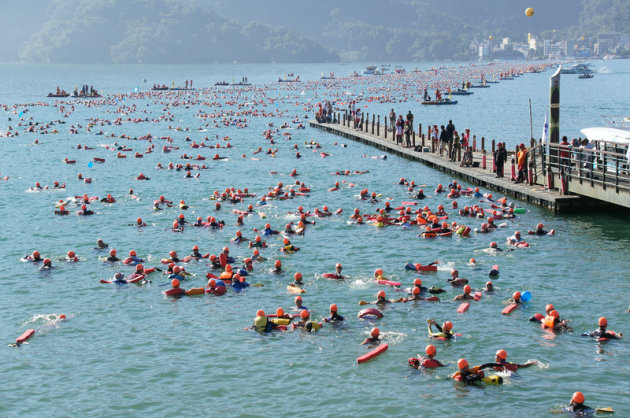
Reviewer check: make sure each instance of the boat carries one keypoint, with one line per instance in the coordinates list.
(159, 88)
(64, 94)
(86, 96)
(460, 92)
(585, 75)
(355, 74)
(289, 80)
(440, 102)
(244, 82)
(579, 69)
(478, 86)
(330, 76)
(221, 83)
(399, 70)
(369, 70)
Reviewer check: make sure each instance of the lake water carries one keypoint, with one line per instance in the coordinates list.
(129, 350)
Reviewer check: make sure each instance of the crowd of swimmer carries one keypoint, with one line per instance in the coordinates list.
(224, 272)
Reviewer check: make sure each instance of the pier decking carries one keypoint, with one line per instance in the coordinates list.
(536, 193)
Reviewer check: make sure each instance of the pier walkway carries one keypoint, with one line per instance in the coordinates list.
(575, 189)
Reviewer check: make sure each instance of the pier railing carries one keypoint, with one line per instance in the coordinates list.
(602, 172)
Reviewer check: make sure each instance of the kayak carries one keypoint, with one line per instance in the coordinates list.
(373, 353)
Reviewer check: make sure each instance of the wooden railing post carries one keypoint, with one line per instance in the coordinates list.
(483, 144)
(373, 117)
(378, 125)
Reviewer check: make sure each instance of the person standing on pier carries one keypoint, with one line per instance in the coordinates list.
(400, 124)
(521, 158)
(450, 128)
(443, 139)
(500, 157)
(392, 120)
(408, 128)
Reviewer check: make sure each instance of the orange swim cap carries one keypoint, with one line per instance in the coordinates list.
(554, 313)
(256, 252)
(378, 272)
(304, 314)
(297, 276)
(71, 254)
(467, 289)
(472, 261)
(195, 248)
(171, 265)
(132, 253)
(112, 252)
(444, 224)
(175, 283)
(212, 283)
(213, 257)
(375, 332)
(502, 354)
(172, 253)
(286, 241)
(549, 307)
(177, 269)
(516, 296)
(226, 250)
(602, 322)
(258, 239)
(228, 267)
(462, 364)
(83, 207)
(260, 312)
(139, 267)
(539, 226)
(181, 216)
(333, 308)
(577, 397)
(278, 263)
(279, 312)
(298, 298)
(267, 226)
(493, 244)
(430, 350)
(417, 282)
(416, 291)
(325, 208)
(338, 266)
(47, 261)
(380, 294)
(239, 233)
(448, 325)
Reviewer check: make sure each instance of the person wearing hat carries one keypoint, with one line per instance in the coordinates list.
(196, 254)
(455, 280)
(119, 278)
(334, 316)
(337, 273)
(601, 333)
(297, 281)
(373, 339)
(539, 230)
(466, 295)
(112, 257)
(502, 363)
(47, 265)
(468, 375)
(262, 323)
(299, 304)
(515, 239)
(277, 267)
(577, 404)
(500, 157)
(553, 322)
(445, 331)
(269, 231)
(35, 257)
(257, 243)
(71, 257)
(489, 287)
(305, 317)
(428, 362)
(239, 283)
(521, 160)
(228, 259)
(288, 247)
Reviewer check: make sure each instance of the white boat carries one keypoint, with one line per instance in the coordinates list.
(369, 70)
(579, 69)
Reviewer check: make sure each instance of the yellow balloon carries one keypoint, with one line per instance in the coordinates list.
(529, 12)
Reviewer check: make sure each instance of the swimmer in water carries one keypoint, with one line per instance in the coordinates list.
(299, 304)
(112, 257)
(466, 295)
(601, 333)
(334, 316)
(277, 267)
(47, 265)
(337, 273)
(35, 257)
(468, 375)
(577, 404)
(455, 280)
(298, 283)
(100, 245)
(516, 298)
(288, 247)
(489, 287)
(374, 338)
(445, 331)
(501, 363)
(428, 362)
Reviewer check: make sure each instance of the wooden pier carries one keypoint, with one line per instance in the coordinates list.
(479, 174)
